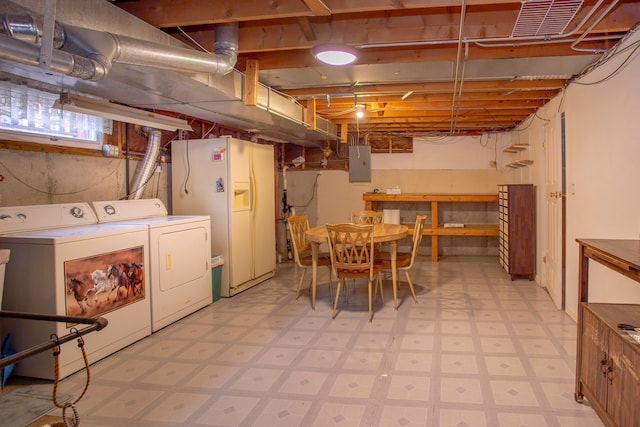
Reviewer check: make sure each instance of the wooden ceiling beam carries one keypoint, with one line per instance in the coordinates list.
(307, 29)
(394, 101)
(499, 122)
(317, 7)
(302, 58)
(429, 87)
(443, 126)
(171, 13)
(388, 27)
(407, 33)
(419, 115)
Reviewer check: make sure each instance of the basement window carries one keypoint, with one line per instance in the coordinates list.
(390, 144)
(26, 114)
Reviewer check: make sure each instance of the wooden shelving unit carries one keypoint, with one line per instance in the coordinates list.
(437, 229)
(517, 148)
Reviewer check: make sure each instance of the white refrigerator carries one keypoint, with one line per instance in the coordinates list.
(232, 181)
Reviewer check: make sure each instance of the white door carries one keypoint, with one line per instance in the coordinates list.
(554, 200)
(263, 209)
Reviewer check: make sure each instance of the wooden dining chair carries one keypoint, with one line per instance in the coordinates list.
(352, 257)
(405, 260)
(298, 226)
(366, 217)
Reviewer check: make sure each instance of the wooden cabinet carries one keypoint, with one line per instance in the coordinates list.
(517, 215)
(611, 363)
(607, 358)
(437, 229)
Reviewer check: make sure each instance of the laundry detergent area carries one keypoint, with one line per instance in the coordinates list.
(136, 271)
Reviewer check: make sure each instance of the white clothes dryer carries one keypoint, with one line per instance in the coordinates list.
(64, 263)
(180, 257)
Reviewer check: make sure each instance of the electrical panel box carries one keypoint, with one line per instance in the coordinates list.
(359, 163)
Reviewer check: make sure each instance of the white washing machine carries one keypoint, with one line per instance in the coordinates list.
(64, 263)
(180, 256)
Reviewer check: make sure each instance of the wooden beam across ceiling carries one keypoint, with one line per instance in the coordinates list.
(276, 37)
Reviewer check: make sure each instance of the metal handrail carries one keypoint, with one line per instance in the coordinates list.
(95, 324)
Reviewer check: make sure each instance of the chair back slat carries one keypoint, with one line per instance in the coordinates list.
(366, 217)
(351, 247)
(298, 226)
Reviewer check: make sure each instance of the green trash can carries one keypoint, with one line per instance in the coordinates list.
(216, 276)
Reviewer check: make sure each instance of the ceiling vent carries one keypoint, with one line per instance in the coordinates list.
(545, 17)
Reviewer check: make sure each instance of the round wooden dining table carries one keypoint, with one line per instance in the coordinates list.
(382, 233)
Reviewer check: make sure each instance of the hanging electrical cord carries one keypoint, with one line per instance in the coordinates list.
(63, 193)
(194, 41)
(634, 46)
(313, 194)
(188, 174)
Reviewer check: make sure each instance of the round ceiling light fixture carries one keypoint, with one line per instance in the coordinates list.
(335, 54)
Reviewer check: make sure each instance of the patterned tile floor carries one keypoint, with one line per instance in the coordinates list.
(478, 350)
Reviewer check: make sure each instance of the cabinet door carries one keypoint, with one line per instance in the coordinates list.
(624, 387)
(594, 355)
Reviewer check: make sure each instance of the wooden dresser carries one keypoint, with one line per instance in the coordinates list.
(517, 214)
(607, 358)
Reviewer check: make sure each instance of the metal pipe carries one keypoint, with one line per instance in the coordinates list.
(95, 324)
(74, 44)
(591, 27)
(489, 42)
(588, 16)
(463, 13)
(29, 28)
(61, 62)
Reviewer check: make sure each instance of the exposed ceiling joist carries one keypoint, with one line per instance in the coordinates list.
(407, 47)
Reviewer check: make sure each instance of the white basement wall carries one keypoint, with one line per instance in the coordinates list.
(602, 111)
(35, 178)
(455, 165)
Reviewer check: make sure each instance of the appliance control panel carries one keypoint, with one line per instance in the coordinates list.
(15, 219)
(127, 210)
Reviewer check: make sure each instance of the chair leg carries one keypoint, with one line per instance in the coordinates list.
(335, 303)
(330, 284)
(378, 286)
(370, 305)
(304, 270)
(413, 292)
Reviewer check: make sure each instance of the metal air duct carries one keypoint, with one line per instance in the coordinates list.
(147, 167)
(102, 49)
(96, 48)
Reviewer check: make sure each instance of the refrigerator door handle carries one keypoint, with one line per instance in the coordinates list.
(252, 193)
